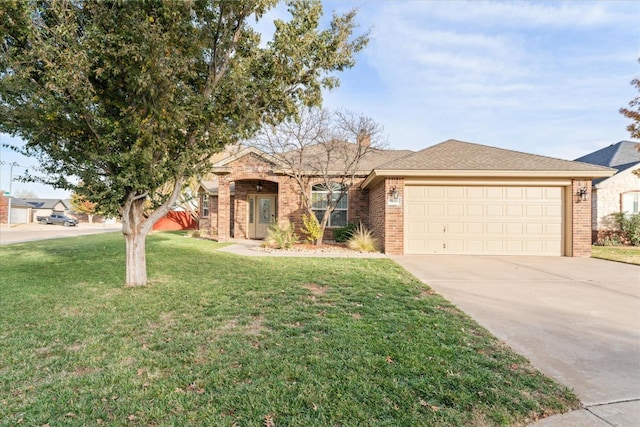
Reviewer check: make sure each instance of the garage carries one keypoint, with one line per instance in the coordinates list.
(462, 198)
(484, 220)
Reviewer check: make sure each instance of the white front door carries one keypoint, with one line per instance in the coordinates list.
(261, 212)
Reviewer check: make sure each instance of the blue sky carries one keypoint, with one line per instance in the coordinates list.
(541, 77)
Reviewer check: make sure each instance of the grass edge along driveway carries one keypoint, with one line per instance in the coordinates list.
(219, 339)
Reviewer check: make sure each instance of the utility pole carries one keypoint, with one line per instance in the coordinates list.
(11, 166)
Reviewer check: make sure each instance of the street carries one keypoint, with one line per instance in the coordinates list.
(30, 232)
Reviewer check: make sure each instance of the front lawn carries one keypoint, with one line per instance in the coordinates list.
(219, 339)
(628, 254)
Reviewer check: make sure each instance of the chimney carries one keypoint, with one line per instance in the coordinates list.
(364, 138)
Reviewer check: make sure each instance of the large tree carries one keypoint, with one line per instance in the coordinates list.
(322, 149)
(129, 96)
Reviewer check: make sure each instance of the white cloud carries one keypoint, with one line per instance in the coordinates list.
(548, 77)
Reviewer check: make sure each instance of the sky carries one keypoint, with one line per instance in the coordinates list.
(543, 77)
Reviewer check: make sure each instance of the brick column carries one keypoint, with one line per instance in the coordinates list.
(224, 209)
(581, 219)
(394, 218)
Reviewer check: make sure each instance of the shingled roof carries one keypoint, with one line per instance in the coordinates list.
(459, 155)
(454, 158)
(620, 156)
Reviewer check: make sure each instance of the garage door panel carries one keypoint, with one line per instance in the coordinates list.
(415, 193)
(514, 229)
(484, 220)
(474, 210)
(435, 193)
(435, 210)
(515, 211)
(418, 210)
(455, 210)
(475, 228)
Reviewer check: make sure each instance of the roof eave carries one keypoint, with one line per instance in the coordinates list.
(376, 175)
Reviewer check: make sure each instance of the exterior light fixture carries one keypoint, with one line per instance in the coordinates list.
(259, 186)
(394, 194)
(582, 195)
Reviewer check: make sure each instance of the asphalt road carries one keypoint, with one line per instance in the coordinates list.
(32, 232)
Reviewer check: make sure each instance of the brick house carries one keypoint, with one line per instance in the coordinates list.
(454, 197)
(618, 193)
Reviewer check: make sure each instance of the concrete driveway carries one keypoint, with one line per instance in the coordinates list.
(575, 319)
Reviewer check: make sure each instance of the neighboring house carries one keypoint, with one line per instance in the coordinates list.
(618, 193)
(454, 197)
(25, 211)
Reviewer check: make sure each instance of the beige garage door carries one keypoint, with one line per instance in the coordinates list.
(483, 220)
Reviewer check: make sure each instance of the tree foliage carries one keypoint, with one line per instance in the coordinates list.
(633, 112)
(324, 148)
(128, 97)
(81, 204)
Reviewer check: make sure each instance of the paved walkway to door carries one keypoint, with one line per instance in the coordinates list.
(575, 319)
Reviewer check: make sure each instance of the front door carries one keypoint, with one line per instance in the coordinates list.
(261, 213)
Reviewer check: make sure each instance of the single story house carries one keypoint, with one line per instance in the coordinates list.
(25, 211)
(618, 193)
(452, 198)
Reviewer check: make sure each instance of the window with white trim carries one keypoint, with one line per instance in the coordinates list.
(205, 205)
(319, 199)
(631, 202)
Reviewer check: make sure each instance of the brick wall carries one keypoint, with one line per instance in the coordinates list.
(386, 221)
(606, 199)
(377, 204)
(394, 219)
(246, 172)
(580, 220)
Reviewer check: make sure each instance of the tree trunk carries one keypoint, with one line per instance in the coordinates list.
(323, 226)
(135, 232)
(136, 226)
(90, 218)
(136, 261)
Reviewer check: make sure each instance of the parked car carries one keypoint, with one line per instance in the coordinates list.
(58, 219)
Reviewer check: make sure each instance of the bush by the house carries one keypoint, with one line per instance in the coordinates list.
(311, 227)
(343, 234)
(362, 240)
(628, 225)
(281, 236)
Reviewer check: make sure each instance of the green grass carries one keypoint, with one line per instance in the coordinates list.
(628, 254)
(218, 339)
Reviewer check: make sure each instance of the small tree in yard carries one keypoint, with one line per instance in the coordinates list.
(130, 97)
(82, 205)
(315, 150)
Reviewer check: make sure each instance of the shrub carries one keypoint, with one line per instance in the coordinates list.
(311, 227)
(611, 240)
(629, 227)
(362, 240)
(281, 236)
(343, 234)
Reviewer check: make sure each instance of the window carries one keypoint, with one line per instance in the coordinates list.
(319, 199)
(205, 205)
(631, 202)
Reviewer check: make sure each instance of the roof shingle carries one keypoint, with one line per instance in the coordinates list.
(458, 155)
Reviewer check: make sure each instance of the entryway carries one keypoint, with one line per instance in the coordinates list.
(261, 212)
